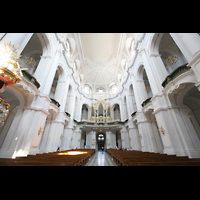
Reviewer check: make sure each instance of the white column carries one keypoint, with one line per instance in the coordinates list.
(121, 107)
(12, 136)
(78, 116)
(72, 106)
(42, 69)
(20, 39)
(145, 132)
(50, 140)
(161, 71)
(134, 136)
(45, 137)
(59, 90)
(77, 138)
(113, 140)
(124, 137)
(150, 74)
(91, 140)
(108, 139)
(67, 139)
(129, 105)
(138, 96)
(188, 134)
(51, 74)
(65, 92)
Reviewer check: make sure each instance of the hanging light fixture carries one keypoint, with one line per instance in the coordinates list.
(10, 69)
(10, 73)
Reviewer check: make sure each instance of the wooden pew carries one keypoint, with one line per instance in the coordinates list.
(50, 159)
(139, 158)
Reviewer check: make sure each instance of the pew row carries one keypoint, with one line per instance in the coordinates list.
(63, 158)
(139, 158)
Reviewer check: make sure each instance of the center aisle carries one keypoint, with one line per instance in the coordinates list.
(101, 159)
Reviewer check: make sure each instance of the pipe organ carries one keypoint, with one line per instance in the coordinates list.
(100, 112)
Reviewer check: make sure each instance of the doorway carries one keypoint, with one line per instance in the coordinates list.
(101, 140)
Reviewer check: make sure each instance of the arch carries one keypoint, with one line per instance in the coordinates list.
(100, 139)
(140, 72)
(61, 72)
(180, 96)
(85, 104)
(84, 112)
(143, 83)
(168, 47)
(46, 43)
(187, 115)
(33, 49)
(155, 42)
(115, 109)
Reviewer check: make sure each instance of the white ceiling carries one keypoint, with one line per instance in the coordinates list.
(99, 56)
(100, 47)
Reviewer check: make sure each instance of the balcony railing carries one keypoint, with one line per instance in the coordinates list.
(147, 101)
(30, 78)
(133, 114)
(68, 115)
(178, 71)
(53, 101)
(103, 124)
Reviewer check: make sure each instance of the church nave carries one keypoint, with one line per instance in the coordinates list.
(101, 159)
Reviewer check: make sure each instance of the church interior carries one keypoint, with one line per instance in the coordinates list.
(105, 99)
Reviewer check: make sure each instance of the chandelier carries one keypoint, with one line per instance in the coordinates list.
(171, 60)
(4, 110)
(10, 71)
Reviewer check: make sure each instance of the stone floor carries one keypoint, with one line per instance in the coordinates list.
(101, 159)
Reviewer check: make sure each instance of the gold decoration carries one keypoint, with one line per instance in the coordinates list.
(100, 119)
(148, 88)
(140, 136)
(171, 60)
(40, 131)
(30, 61)
(10, 71)
(53, 89)
(162, 130)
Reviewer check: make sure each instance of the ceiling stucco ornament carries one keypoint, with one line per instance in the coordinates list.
(102, 57)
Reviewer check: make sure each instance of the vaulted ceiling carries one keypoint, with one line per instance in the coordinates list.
(100, 58)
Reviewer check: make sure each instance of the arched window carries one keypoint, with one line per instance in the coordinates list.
(100, 91)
